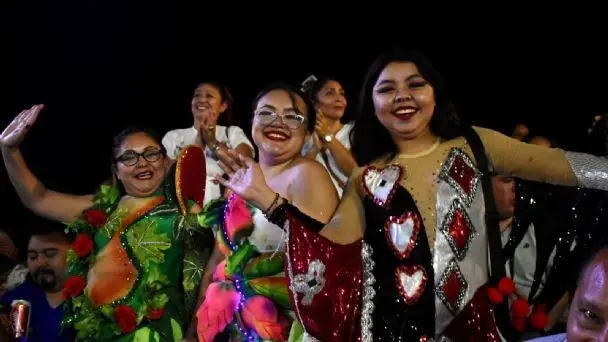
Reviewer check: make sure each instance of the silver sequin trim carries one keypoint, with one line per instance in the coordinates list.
(307, 338)
(445, 229)
(452, 269)
(368, 293)
(591, 171)
(310, 283)
(475, 180)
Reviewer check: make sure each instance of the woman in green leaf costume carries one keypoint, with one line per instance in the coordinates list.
(137, 259)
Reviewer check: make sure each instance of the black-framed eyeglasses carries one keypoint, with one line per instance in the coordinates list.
(130, 157)
(292, 118)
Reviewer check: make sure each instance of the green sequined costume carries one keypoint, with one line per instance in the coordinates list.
(143, 271)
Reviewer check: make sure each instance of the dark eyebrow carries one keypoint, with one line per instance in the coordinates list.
(268, 106)
(385, 81)
(43, 250)
(414, 76)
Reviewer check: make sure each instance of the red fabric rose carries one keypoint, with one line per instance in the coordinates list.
(82, 246)
(520, 308)
(539, 320)
(95, 217)
(519, 324)
(155, 313)
(506, 286)
(126, 318)
(495, 295)
(74, 286)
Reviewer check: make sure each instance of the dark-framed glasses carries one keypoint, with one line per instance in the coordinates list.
(130, 157)
(292, 118)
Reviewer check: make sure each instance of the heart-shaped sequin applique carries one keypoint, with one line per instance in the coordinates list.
(401, 233)
(411, 281)
(381, 184)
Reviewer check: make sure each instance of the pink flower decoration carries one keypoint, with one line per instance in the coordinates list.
(220, 272)
(261, 314)
(221, 302)
(238, 220)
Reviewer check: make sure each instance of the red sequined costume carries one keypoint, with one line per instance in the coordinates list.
(421, 271)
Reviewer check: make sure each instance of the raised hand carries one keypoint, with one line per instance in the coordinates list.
(245, 178)
(207, 129)
(321, 127)
(15, 132)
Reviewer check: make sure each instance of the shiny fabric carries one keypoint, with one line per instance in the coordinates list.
(475, 322)
(328, 303)
(460, 260)
(590, 171)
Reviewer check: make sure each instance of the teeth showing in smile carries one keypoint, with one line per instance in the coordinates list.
(144, 175)
(277, 136)
(406, 110)
(201, 107)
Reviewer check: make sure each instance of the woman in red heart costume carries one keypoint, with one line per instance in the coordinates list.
(405, 256)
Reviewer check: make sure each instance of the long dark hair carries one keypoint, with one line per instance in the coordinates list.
(226, 118)
(370, 139)
(117, 143)
(292, 92)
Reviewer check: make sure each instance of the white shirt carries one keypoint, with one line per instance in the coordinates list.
(232, 136)
(524, 262)
(343, 136)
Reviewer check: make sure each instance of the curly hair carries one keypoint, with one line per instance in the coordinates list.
(370, 139)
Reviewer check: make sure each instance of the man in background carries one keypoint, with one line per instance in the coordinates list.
(43, 289)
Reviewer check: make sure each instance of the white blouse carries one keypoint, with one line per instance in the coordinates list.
(343, 136)
(232, 136)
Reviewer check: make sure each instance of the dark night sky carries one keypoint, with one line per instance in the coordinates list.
(100, 67)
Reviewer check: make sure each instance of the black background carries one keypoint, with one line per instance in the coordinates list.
(100, 67)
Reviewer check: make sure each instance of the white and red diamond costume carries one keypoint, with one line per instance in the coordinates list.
(421, 271)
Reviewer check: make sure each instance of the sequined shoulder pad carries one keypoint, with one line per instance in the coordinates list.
(190, 177)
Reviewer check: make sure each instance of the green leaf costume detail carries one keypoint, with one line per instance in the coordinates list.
(146, 243)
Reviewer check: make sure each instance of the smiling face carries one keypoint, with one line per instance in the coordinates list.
(330, 100)
(279, 126)
(141, 175)
(404, 101)
(207, 103)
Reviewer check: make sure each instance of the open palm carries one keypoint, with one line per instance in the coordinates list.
(245, 178)
(15, 132)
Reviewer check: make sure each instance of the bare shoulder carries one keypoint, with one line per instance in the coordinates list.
(308, 169)
(309, 176)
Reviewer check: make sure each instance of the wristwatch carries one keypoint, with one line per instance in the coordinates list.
(214, 147)
(328, 138)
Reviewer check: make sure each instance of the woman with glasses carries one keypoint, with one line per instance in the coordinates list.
(213, 129)
(283, 117)
(405, 257)
(134, 267)
(330, 142)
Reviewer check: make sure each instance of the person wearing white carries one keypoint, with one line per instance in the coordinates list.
(329, 144)
(211, 104)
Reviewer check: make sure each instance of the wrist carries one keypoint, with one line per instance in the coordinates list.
(265, 199)
(8, 150)
(327, 139)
